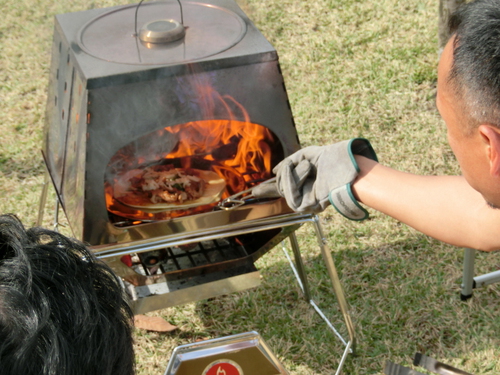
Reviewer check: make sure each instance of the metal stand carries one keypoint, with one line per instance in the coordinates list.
(298, 269)
(470, 282)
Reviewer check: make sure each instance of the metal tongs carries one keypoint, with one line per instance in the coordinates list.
(268, 188)
(243, 197)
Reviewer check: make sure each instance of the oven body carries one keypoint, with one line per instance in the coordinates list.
(96, 107)
(107, 91)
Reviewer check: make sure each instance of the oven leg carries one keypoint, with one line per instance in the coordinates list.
(56, 216)
(337, 286)
(300, 272)
(301, 276)
(43, 199)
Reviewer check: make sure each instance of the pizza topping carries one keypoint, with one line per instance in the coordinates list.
(163, 183)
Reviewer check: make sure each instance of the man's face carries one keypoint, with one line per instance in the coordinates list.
(468, 147)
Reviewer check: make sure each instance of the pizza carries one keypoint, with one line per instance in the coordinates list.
(163, 187)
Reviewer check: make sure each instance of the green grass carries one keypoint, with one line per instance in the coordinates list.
(352, 68)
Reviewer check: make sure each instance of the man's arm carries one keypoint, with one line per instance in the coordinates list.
(444, 207)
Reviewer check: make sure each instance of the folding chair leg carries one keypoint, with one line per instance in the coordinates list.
(468, 276)
(486, 279)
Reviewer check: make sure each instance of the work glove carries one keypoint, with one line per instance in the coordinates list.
(316, 176)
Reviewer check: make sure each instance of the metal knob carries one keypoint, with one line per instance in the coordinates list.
(162, 31)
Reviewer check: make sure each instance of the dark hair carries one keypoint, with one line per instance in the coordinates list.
(475, 72)
(62, 311)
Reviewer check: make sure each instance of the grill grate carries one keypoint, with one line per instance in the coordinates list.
(181, 259)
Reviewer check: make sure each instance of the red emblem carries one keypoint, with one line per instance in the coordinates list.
(223, 367)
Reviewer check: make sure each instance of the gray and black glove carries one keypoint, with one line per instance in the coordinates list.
(316, 176)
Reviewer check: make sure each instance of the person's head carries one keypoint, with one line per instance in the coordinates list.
(469, 94)
(62, 311)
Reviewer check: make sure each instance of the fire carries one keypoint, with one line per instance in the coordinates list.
(241, 152)
(238, 151)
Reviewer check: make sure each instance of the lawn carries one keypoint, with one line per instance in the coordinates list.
(351, 68)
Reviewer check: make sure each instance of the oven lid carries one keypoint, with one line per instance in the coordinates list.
(208, 30)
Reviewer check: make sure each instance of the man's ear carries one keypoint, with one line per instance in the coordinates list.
(491, 136)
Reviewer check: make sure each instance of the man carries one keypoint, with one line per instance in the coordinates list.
(460, 210)
(62, 311)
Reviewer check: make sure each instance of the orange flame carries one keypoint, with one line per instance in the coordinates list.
(231, 146)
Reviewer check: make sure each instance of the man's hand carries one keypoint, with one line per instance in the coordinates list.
(315, 176)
